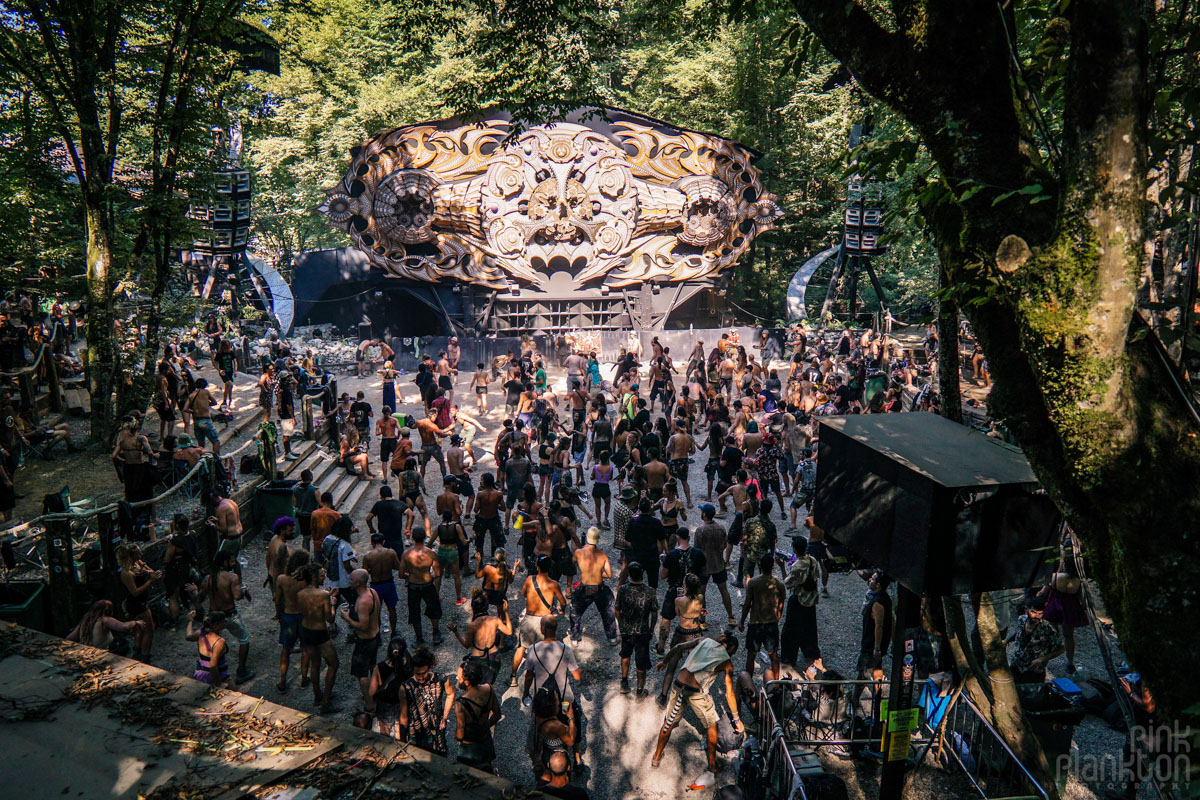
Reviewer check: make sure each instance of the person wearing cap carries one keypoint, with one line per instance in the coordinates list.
(622, 514)
(636, 608)
(594, 569)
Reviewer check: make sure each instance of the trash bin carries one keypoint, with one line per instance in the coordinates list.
(1052, 718)
(24, 602)
(272, 501)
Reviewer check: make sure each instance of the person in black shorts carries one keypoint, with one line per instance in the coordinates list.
(634, 609)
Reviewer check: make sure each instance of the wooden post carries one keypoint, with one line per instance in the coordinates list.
(28, 392)
(107, 525)
(270, 470)
(56, 395)
(60, 569)
(306, 414)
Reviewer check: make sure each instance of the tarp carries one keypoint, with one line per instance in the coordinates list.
(935, 505)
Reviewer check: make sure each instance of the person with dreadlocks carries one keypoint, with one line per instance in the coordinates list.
(387, 686)
(100, 629)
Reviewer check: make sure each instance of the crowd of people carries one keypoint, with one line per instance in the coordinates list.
(642, 552)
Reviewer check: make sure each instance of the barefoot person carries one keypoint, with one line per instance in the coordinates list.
(314, 635)
(636, 609)
(224, 588)
(419, 567)
(381, 561)
(705, 659)
(287, 609)
(363, 618)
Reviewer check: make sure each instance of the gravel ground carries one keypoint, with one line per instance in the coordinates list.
(620, 728)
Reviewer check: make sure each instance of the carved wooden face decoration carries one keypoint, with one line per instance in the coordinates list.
(429, 202)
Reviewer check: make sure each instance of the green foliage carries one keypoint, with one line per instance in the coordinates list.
(353, 68)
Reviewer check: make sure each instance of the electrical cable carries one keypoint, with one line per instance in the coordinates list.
(1036, 112)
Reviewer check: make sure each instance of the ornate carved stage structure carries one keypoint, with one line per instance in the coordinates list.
(606, 220)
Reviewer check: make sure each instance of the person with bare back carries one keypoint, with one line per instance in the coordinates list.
(380, 562)
(317, 616)
(363, 618)
(483, 634)
(542, 596)
(287, 609)
(419, 567)
(594, 568)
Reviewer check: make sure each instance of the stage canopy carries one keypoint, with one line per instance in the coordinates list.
(604, 198)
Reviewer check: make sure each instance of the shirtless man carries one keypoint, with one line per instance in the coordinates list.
(725, 373)
(388, 431)
(200, 405)
(579, 402)
(278, 551)
(594, 568)
(187, 451)
(482, 635)
(453, 354)
(740, 496)
(489, 504)
(431, 441)
(314, 635)
(818, 550)
(457, 462)
(287, 610)
(680, 448)
(542, 596)
(227, 519)
(443, 371)
(380, 562)
(363, 618)
(480, 381)
(419, 567)
(223, 588)
(657, 474)
(764, 605)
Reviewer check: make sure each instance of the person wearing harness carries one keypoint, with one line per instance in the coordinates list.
(552, 734)
(476, 712)
(363, 618)
(682, 561)
(536, 590)
(450, 535)
(482, 635)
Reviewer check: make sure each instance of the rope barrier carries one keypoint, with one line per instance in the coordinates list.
(28, 369)
(204, 462)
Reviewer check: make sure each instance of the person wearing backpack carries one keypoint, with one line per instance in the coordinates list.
(340, 559)
(799, 634)
(552, 666)
(543, 597)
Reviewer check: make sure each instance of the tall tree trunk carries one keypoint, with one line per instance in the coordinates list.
(949, 387)
(1007, 713)
(103, 356)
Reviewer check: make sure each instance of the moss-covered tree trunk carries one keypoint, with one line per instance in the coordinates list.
(1046, 262)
